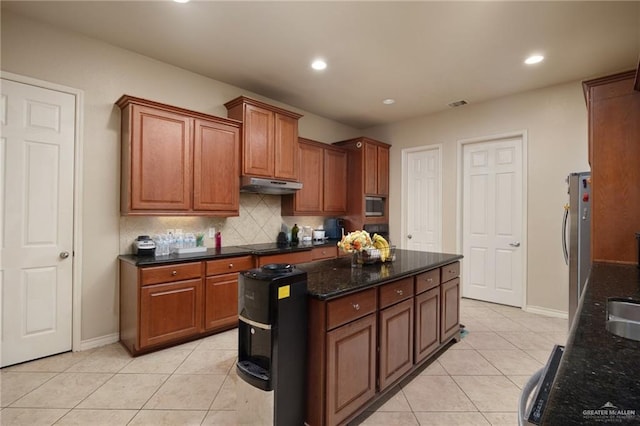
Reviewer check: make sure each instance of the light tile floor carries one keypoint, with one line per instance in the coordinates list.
(474, 382)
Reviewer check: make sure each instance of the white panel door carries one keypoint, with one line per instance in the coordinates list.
(493, 221)
(37, 145)
(423, 206)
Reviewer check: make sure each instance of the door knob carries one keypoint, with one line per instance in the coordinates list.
(409, 236)
(515, 244)
(64, 254)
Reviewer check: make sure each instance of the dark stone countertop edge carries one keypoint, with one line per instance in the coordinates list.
(598, 367)
(213, 254)
(359, 286)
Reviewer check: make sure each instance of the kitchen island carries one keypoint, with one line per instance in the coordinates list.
(598, 380)
(371, 326)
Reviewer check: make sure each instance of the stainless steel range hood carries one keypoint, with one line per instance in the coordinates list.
(268, 186)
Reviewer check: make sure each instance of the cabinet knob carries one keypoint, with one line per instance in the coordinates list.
(356, 306)
(230, 265)
(174, 273)
(400, 292)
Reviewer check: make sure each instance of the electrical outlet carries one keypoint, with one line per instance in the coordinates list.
(171, 231)
(212, 232)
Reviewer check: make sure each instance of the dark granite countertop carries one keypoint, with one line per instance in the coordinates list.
(327, 279)
(598, 367)
(224, 252)
(210, 254)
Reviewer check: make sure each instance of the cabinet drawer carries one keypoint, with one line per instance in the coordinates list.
(450, 271)
(177, 272)
(395, 292)
(320, 253)
(233, 264)
(427, 280)
(351, 307)
(291, 258)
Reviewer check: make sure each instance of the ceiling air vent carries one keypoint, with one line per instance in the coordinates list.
(457, 103)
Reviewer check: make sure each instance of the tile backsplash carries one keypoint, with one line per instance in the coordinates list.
(259, 222)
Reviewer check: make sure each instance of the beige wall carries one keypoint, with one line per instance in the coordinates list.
(555, 119)
(556, 123)
(104, 73)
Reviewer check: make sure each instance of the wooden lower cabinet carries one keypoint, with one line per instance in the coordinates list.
(361, 344)
(170, 311)
(165, 305)
(396, 342)
(221, 301)
(427, 324)
(292, 258)
(450, 305)
(351, 368)
(221, 292)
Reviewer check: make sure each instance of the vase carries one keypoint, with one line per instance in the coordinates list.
(356, 260)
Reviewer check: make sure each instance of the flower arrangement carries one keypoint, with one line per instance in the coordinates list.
(355, 241)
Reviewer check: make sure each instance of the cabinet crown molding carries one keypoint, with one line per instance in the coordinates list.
(245, 100)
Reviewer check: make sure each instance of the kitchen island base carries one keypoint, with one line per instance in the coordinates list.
(365, 341)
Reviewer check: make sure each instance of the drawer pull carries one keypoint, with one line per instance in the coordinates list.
(174, 273)
(429, 280)
(400, 292)
(356, 306)
(230, 265)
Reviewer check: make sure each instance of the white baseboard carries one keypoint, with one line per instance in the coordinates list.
(96, 342)
(546, 311)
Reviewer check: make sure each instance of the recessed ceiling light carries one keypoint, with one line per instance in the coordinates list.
(389, 101)
(533, 59)
(181, 1)
(318, 64)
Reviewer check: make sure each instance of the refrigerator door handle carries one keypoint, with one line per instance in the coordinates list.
(565, 219)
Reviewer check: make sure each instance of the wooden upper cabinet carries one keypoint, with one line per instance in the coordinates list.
(286, 147)
(383, 170)
(160, 159)
(269, 138)
(376, 170)
(614, 150)
(368, 176)
(177, 162)
(309, 198)
(258, 154)
(335, 181)
(323, 173)
(370, 169)
(214, 179)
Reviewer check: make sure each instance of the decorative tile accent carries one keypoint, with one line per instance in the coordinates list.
(259, 222)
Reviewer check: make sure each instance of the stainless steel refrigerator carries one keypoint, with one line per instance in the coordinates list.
(576, 236)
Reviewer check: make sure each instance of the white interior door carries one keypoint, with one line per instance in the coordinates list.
(423, 179)
(493, 221)
(37, 149)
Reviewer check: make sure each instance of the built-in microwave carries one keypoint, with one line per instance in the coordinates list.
(374, 206)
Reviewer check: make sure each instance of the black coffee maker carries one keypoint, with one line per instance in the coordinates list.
(333, 228)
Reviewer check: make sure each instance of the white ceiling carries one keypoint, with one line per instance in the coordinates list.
(423, 54)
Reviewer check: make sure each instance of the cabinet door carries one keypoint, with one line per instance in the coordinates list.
(257, 146)
(170, 311)
(216, 182)
(160, 160)
(370, 169)
(351, 368)
(286, 147)
(383, 171)
(221, 301)
(427, 323)
(450, 309)
(335, 181)
(396, 342)
(309, 198)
